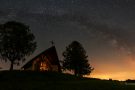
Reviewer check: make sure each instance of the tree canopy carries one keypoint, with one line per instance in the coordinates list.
(16, 42)
(75, 59)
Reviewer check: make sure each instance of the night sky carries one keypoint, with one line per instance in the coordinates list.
(105, 28)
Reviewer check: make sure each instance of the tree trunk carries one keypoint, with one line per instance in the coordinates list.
(11, 66)
(75, 72)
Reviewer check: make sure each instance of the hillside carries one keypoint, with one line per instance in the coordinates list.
(22, 80)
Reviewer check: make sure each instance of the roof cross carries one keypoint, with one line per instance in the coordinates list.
(52, 42)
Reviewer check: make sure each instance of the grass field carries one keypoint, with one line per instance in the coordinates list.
(22, 80)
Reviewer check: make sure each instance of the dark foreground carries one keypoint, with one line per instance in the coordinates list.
(20, 80)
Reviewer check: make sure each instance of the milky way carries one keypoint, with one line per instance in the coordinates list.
(106, 28)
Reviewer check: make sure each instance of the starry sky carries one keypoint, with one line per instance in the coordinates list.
(105, 28)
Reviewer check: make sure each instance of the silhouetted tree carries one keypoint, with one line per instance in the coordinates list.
(16, 42)
(75, 59)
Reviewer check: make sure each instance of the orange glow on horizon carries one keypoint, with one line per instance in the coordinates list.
(118, 70)
(115, 76)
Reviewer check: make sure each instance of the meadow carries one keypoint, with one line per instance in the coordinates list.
(27, 80)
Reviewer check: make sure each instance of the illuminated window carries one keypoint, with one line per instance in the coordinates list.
(43, 66)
